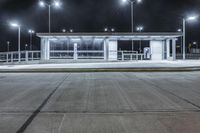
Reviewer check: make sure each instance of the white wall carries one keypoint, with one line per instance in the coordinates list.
(75, 51)
(45, 49)
(112, 50)
(168, 49)
(157, 50)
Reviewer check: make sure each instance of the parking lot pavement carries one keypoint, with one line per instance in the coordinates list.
(100, 102)
(117, 123)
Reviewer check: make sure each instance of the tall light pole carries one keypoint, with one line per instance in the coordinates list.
(180, 30)
(31, 32)
(56, 4)
(140, 29)
(132, 2)
(191, 18)
(19, 41)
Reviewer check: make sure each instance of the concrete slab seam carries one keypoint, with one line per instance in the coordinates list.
(38, 110)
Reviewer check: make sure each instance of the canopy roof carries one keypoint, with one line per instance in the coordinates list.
(113, 35)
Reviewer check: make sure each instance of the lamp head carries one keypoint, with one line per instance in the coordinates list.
(57, 3)
(42, 3)
(113, 30)
(139, 28)
(179, 30)
(31, 31)
(192, 18)
(14, 24)
(71, 30)
(105, 29)
(63, 30)
(195, 43)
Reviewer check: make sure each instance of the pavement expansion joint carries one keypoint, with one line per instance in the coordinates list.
(130, 112)
(38, 110)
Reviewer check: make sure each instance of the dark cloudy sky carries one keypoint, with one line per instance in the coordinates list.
(94, 15)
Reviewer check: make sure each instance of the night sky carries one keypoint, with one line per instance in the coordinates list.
(94, 15)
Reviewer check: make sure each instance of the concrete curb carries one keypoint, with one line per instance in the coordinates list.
(79, 70)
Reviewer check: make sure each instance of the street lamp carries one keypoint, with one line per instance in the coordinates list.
(180, 30)
(132, 13)
(31, 32)
(26, 45)
(109, 30)
(195, 43)
(113, 30)
(16, 25)
(140, 29)
(63, 30)
(191, 18)
(105, 29)
(71, 30)
(56, 4)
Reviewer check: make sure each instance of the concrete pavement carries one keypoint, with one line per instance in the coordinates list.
(100, 102)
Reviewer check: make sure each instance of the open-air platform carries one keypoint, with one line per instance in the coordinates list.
(87, 66)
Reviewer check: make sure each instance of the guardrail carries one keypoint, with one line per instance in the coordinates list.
(80, 54)
(130, 55)
(24, 56)
(122, 55)
(189, 56)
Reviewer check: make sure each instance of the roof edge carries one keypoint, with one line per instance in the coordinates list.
(177, 34)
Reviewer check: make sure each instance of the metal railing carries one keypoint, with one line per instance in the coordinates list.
(130, 55)
(122, 55)
(80, 54)
(14, 56)
(61, 54)
(188, 56)
(90, 54)
(195, 51)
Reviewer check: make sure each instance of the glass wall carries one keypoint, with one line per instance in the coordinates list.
(60, 45)
(88, 48)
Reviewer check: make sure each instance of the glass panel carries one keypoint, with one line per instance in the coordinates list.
(87, 48)
(84, 44)
(61, 45)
